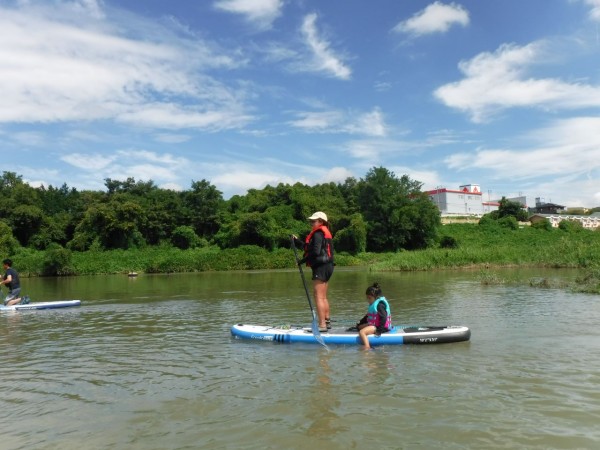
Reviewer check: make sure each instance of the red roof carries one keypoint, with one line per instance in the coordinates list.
(437, 191)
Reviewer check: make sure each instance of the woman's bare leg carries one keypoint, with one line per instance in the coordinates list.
(320, 290)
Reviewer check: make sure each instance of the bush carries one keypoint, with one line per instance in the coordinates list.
(488, 220)
(570, 226)
(184, 237)
(448, 242)
(542, 225)
(509, 222)
(57, 261)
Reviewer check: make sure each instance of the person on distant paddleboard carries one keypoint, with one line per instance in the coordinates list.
(318, 255)
(11, 280)
(378, 318)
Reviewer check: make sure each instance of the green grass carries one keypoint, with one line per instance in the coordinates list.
(500, 247)
(477, 247)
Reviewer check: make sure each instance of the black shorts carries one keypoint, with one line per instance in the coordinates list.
(322, 272)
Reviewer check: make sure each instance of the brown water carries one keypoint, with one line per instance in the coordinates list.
(149, 363)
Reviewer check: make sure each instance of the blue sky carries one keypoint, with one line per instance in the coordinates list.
(245, 93)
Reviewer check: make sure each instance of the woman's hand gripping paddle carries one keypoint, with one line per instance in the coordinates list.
(315, 325)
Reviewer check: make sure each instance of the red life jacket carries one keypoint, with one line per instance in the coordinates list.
(326, 251)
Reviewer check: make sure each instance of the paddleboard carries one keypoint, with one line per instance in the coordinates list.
(42, 305)
(397, 336)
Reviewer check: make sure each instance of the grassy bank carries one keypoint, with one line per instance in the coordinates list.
(496, 246)
(474, 246)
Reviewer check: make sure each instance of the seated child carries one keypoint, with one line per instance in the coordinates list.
(378, 318)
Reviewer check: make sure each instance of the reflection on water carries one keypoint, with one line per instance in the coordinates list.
(323, 402)
(149, 363)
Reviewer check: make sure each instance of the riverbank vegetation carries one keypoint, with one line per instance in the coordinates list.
(458, 246)
(378, 213)
(381, 221)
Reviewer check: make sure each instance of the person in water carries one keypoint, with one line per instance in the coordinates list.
(378, 318)
(318, 255)
(11, 280)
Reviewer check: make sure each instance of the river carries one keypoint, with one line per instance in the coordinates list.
(149, 363)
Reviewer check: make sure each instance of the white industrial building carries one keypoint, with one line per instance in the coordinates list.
(466, 201)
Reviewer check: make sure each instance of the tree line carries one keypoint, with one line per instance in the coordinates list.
(380, 212)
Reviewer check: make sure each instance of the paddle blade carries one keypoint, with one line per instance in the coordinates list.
(317, 333)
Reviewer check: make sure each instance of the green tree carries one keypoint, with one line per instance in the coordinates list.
(202, 205)
(352, 238)
(510, 208)
(258, 229)
(398, 214)
(164, 212)
(26, 221)
(52, 230)
(8, 243)
(115, 224)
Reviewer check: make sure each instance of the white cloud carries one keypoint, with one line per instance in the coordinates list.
(164, 159)
(261, 13)
(569, 147)
(435, 18)
(144, 172)
(91, 7)
(382, 86)
(240, 179)
(560, 162)
(236, 177)
(336, 175)
(59, 64)
(174, 116)
(595, 9)
(377, 151)
(89, 163)
(171, 186)
(162, 168)
(335, 121)
(365, 149)
(323, 59)
(318, 121)
(429, 178)
(29, 138)
(170, 138)
(496, 81)
(370, 124)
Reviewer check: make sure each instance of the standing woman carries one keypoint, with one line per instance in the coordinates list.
(318, 255)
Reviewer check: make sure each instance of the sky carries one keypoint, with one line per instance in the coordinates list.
(249, 93)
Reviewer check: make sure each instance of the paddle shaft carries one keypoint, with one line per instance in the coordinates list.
(312, 310)
(315, 325)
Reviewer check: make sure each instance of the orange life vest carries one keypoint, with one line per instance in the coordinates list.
(326, 251)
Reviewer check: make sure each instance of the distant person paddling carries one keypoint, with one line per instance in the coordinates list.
(11, 280)
(318, 255)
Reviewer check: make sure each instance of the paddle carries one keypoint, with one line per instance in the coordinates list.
(315, 325)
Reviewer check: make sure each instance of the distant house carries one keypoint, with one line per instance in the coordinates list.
(542, 207)
(591, 222)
